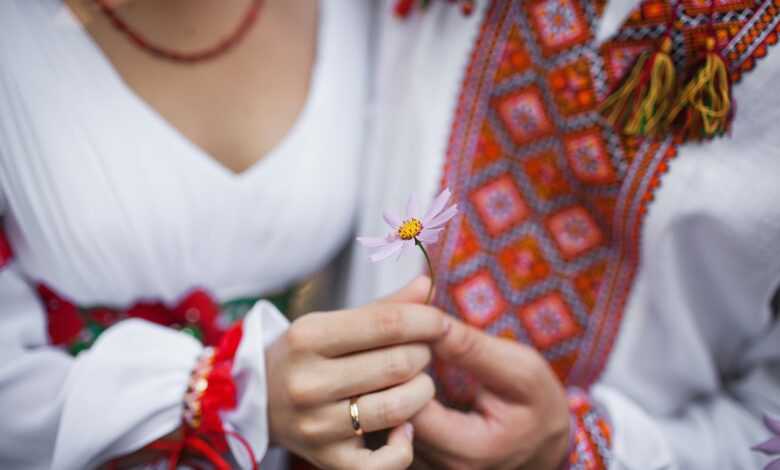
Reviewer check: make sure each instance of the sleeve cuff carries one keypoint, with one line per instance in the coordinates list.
(591, 433)
(262, 326)
(133, 379)
(637, 441)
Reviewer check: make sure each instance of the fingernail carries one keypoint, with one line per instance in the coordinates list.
(447, 325)
(409, 431)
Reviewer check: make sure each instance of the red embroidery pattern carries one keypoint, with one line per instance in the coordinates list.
(5, 248)
(591, 433)
(76, 328)
(210, 392)
(546, 246)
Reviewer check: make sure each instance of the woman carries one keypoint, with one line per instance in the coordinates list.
(158, 159)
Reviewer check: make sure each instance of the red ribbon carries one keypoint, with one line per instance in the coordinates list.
(201, 444)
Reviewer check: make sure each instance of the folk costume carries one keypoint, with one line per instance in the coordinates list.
(109, 214)
(633, 243)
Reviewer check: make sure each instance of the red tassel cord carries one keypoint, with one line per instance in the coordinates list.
(210, 393)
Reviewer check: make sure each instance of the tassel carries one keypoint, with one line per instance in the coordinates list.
(639, 106)
(704, 108)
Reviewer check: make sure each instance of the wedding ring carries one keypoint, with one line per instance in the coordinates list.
(354, 413)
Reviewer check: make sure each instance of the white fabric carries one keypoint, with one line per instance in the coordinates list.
(106, 203)
(697, 359)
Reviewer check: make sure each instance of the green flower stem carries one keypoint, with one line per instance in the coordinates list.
(430, 270)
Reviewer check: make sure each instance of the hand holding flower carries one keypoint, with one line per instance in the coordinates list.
(375, 353)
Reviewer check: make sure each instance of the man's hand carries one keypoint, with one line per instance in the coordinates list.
(520, 419)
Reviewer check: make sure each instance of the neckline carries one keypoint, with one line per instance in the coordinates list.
(316, 84)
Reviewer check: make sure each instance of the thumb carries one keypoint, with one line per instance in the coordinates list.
(505, 367)
(413, 293)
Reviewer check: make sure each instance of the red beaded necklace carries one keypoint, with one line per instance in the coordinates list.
(187, 57)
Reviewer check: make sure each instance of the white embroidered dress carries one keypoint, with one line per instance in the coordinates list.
(697, 359)
(106, 203)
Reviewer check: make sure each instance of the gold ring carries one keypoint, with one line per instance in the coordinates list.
(354, 413)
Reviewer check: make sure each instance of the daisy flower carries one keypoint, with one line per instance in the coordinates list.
(412, 230)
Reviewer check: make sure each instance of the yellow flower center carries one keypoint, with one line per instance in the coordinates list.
(409, 229)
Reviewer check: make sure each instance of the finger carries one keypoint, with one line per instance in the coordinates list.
(427, 457)
(398, 453)
(373, 370)
(414, 292)
(373, 326)
(394, 406)
(377, 411)
(449, 432)
(506, 367)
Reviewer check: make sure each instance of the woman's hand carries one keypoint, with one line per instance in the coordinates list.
(375, 353)
(521, 415)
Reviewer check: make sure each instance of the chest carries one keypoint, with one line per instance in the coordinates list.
(236, 106)
(105, 202)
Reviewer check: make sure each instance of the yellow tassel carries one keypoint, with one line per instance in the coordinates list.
(704, 107)
(639, 106)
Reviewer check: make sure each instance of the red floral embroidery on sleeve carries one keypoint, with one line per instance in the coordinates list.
(210, 393)
(5, 248)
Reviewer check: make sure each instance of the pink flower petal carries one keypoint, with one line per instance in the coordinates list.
(770, 447)
(392, 220)
(444, 217)
(411, 208)
(386, 251)
(773, 424)
(773, 465)
(430, 235)
(406, 245)
(373, 242)
(437, 205)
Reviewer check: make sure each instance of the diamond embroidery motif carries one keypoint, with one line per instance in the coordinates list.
(523, 263)
(549, 321)
(558, 23)
(588, 157)
(499, 204)
(574, 231)
(515, 58)
(573, 87)
(488, 150)
(524, 115)
(479, 299)
(588, 283)
(467, 245)
(546, 178)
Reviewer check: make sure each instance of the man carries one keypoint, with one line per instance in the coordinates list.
(642, 268)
